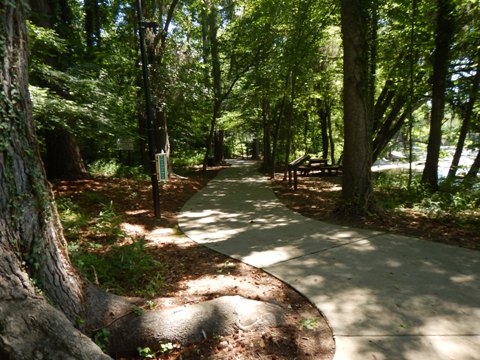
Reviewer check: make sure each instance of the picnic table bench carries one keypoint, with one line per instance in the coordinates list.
(293, 167)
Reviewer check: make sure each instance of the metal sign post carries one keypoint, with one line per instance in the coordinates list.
(148, 104)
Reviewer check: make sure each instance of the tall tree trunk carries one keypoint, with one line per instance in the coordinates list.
(357, 160)
(276, 134)
(63, 160)
(330, 135)
(467, 117)
(267, 146)
(444, 36)
(219, 150)
(216, 75)
(156, 42)
(290, 119)
(92, 25)
(323, 114)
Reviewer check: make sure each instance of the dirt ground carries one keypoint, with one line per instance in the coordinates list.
(194, 273)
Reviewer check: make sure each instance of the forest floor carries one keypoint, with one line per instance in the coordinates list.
(192, 273)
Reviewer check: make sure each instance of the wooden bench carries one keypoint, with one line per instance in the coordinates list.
(293, 167)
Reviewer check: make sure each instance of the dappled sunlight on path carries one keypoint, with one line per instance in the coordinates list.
(385, 296)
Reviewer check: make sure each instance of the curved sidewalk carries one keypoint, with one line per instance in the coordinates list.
(386, 296)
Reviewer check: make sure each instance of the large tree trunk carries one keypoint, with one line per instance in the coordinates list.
(440, 71)
(357, 160)
(29, 227)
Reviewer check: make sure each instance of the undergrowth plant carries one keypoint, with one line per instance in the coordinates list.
(121, 264)
(122, 269)
(454, 199)
(113, 168)
(107, 223)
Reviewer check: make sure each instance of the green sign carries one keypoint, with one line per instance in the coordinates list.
(162, 167)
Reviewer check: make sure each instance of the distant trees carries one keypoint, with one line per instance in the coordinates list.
(226, 73)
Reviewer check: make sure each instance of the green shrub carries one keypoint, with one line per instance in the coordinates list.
(392, 190)
(113, 168)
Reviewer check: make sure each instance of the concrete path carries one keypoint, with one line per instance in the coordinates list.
(385, 296)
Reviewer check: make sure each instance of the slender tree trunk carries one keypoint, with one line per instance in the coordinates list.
(276, 134)
(444, 35)
(219, 149)
(322, 111)
(467, 117)
(216, 76)
(357, 160)
(156, 45)
(330, 135)
(290, 119)
(474, 169)
(267, 146)
(92, 25)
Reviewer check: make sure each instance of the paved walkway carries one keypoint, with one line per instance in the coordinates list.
(385, 296)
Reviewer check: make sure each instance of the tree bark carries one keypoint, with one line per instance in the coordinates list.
(219, 148)
(357, 159)
(267, 146)
(444, 35)
(474, 169)
(29, 225)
